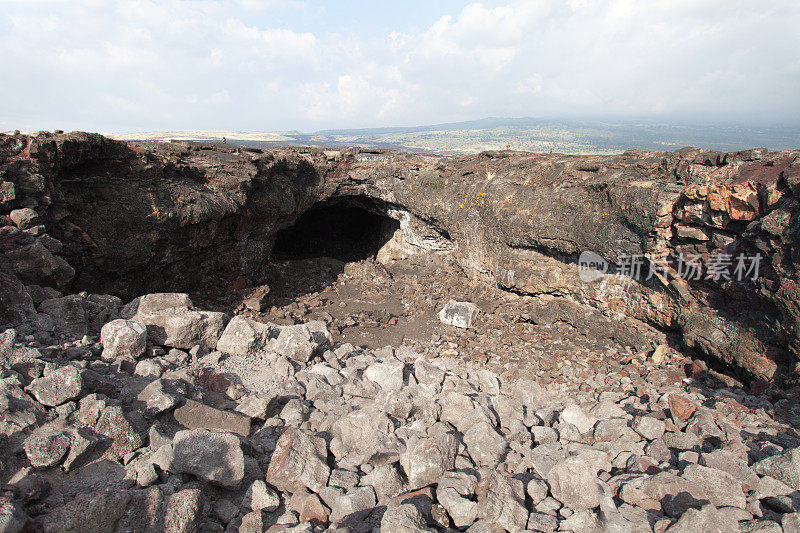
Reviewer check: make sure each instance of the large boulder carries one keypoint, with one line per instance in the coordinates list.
(301, 341)
(172, 321)
(123, 338)
(60, 385)
(17, 305)
(243, 336)
(573, 481)
(36, 263)
(784, 467)
(501, 500)
(210, 455)
(299, 461)
(426, 460)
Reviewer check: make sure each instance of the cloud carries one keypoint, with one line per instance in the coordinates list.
(269, 64)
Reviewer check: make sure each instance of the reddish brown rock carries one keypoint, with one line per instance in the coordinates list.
(681, 408)
(299, 461)
(314, 511)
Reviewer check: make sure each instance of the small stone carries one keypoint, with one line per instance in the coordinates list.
(537, 489)
(214, 456)
(255, 405)
(148, 368)
(25, 218)
(123, 338)
(260, 497)
(660, 354)
(542, 522)
(649, 428)
(158, 398)
(252, 522)
(195, 415)
(459, 314)
(346, 479)
(313, 511)
(681, 408)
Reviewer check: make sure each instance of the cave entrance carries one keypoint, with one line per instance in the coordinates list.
(347, 228)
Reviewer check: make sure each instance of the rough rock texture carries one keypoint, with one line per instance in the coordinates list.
(298, 461)
(519, 220)
(214, 456)
(561, 408)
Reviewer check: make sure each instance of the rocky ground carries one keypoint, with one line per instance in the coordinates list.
(429, 386)
(176, 419)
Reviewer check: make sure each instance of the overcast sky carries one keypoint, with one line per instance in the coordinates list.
(127, 65)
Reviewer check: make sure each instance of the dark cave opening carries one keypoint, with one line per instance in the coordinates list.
(345, 228)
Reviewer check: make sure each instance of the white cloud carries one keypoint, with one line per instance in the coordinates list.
(120, 64)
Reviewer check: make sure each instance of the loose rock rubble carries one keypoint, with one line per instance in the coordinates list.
(268, 427)
(399, 392)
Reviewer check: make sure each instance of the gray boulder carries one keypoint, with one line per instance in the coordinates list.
(784, 467)
(59, 386)
(501, 500)
(406, 518)
(705, 520)
(353, 506)
(723, 489)
(243, 336)
(171, 321)
(301, 341)
(455, 491)
(573, 481)
(46, 446)
(485, 445)
(426, 460)
(123, 338)
(299, 461)
(210, 455)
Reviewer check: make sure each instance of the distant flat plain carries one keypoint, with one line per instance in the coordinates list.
(523, 134)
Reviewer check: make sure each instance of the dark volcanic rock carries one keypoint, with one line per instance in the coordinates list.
(144, 217)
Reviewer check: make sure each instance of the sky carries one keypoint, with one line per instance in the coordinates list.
(281, 65)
